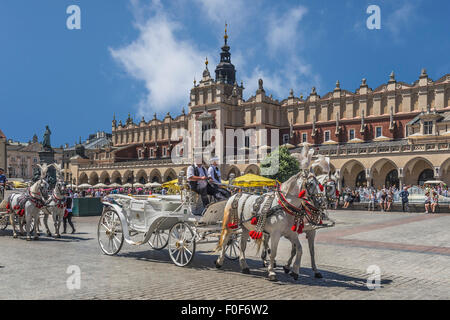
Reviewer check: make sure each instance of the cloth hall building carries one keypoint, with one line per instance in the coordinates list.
(395, 134)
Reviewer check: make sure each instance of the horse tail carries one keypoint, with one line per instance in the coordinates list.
(259, 242)
(3, 204)
(226, 217)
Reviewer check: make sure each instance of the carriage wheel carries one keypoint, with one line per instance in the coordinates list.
(233, 248)
(110, 233)
(181, 244)
(4, 222)
(159, 239)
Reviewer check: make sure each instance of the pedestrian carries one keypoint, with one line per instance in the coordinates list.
(372, 200)
(404, 194)
(435, 202)
(68, 215)
(427, 202)
(383, 200)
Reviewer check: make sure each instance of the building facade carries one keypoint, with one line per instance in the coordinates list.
(395, 134)
(3, 154)
(23, 158)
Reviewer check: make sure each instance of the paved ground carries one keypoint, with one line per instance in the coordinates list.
(411, 250)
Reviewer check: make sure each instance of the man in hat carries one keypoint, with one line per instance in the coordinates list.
(197, 177)
(2, 183)
(214, 176)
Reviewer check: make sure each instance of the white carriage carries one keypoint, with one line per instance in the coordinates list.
(170, 221)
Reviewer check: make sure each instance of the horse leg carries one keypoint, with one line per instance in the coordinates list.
(12, 220)
(287, 267)
(266, 250)
(311, 235)
(226, 237)
(242, 262)
(275, 238)
(57, 220)
(28, 218)
(297, 247)
(36, 224)
(46, 215)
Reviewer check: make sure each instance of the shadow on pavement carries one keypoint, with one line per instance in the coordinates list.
(205, 261)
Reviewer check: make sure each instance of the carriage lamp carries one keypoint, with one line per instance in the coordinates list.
(181, 177)
(231, 178)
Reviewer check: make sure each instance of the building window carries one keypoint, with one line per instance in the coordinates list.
(327, 136)
(35, 160)
(285, 138)
(152, 153)
(247, 141)
(428, 127)
(304, 137)
(351, 134)
(378, 132)
(164, 151)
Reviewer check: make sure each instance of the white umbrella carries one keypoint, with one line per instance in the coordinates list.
(138, 185)
(288, 145)
(84, 186)
(153, 184)
(100, 185)
(114, 185)
(127, 185)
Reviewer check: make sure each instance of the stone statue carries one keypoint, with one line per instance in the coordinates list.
(46, 142)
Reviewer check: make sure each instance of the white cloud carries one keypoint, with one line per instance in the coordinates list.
(284, 31)
(164, 62)
(401, 18)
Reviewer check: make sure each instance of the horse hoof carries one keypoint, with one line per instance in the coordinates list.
(36, 238)
(274, 264)
(218, 266)
(246, 271)
(286, 269)
(28, 238)
(294, 275)
(318, 275)
(49, 234)
(15, 236)
(58, 236)
(273, 278)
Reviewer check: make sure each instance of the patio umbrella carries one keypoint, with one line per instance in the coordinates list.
(138, 185)
(114, 185)
(253, 180)
(100, 185)
(84, 186)
(127, 185)
(288, 145)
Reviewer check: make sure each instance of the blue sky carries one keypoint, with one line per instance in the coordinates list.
(141, 57)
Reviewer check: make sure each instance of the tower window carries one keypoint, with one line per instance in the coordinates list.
(351, 134)
(327, 136)
(304, 137)
(428, 127)
(378, 132)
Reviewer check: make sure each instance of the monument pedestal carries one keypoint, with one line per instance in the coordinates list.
(48, 157)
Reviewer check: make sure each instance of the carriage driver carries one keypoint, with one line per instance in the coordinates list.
(214, 176)
(197, 177)
(2, 183)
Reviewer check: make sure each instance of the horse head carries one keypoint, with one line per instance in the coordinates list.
(60, 186)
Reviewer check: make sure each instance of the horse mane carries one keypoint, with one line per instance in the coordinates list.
(287, 185)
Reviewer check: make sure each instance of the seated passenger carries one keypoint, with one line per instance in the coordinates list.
(215, 182)
(197, 177)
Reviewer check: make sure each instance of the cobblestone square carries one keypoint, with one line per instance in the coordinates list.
(411, 250)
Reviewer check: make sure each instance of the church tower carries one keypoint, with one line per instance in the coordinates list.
(225, 71)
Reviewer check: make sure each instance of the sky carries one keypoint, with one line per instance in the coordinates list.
(141, 56)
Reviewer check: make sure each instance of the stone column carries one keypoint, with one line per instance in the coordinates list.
(400, 178)
(368, 177)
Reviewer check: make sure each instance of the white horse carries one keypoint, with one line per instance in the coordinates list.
(55, 206)
(322, 197)
(287, 219)
(28, 205)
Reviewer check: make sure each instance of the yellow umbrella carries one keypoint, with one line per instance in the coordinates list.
(253, 180)
(171, 183)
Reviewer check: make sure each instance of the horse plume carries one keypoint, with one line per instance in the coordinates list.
(44, 168)
(323, 162)
(304, 158)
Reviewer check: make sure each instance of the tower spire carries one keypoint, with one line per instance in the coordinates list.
(225, 37)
